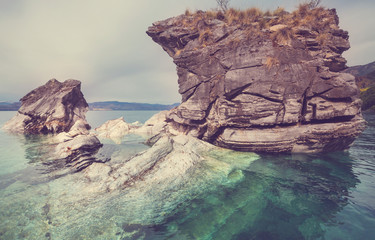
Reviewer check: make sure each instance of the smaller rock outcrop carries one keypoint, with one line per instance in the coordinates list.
(51, 108)
(59, 107)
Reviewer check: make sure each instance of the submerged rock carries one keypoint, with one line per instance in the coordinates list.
(169, 159)
(264, 85)
(51, 108)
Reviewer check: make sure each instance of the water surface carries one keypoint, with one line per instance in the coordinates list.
(232, 196)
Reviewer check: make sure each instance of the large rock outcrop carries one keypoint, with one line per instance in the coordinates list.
(51, 108)
(263, 82)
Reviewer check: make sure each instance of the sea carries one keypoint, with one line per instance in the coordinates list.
(237, 196)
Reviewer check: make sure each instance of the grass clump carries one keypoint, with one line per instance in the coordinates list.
(255, 22)
(271, 62)
(322, 38)
(283, 36)
(188, 12)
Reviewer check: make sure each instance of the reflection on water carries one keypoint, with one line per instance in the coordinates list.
(230, 196)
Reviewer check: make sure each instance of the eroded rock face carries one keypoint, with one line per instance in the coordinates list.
(51, 108)
(243, 88)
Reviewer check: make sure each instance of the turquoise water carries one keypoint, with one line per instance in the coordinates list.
(232, 196)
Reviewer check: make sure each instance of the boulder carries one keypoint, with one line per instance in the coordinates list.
(51, 108)
(114, 129)
(246, 83)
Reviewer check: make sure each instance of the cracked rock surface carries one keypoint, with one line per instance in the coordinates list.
(249, 92)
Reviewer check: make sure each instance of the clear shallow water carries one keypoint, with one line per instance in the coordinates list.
(234, 196)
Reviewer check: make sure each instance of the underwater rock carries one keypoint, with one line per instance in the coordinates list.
(51, 108)
(170, 157)
(245, 85)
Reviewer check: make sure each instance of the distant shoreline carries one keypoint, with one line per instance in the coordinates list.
(104, 106)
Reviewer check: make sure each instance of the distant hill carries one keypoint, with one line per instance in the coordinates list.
(98, 106)
(365, 79)
(9, 106)
(364, 74)
(126, 106)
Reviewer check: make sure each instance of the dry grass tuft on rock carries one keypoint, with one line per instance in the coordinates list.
(256, 22)
(271, 62)
(283, 36)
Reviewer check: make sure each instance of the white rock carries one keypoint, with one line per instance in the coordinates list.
(16, 124)
(68, 147)
(97, 171)
(154, 125)
(114, 129)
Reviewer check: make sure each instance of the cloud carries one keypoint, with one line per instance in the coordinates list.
(104, 44)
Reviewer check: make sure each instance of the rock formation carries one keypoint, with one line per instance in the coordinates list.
(263, 82)
(51, 108)
(59, 108)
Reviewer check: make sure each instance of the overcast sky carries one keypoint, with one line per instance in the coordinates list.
(104, 44)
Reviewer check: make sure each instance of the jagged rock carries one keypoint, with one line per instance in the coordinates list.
(51, 108)
(59, 108)
(253, 89)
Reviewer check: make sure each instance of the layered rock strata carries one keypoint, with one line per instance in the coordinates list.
(272, 84)
(170, 160)
(77, 147)
(51, 108)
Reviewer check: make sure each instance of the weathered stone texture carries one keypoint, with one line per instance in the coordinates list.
(249, 92)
